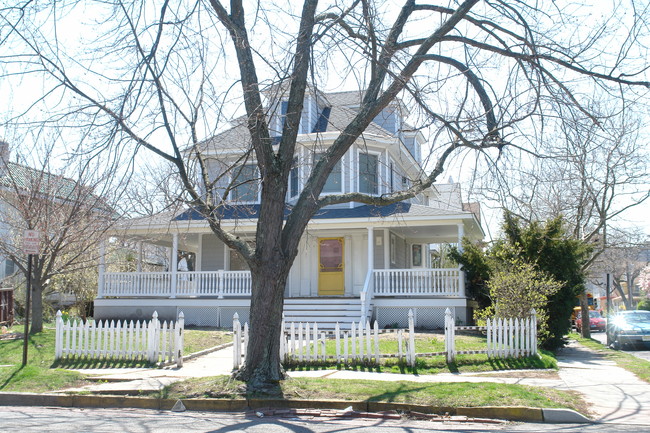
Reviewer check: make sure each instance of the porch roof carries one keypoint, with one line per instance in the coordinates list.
(366, 211)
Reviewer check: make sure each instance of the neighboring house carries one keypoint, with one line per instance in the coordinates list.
(54, 201)
(7, 266)
(355, 261)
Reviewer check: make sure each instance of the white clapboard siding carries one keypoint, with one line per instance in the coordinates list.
(149, 341)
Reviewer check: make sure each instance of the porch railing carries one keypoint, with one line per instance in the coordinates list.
(188, 284)
(415, 282)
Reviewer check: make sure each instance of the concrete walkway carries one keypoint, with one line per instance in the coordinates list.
(614, 394)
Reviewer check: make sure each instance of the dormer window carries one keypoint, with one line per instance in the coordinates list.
(245, 184)
(368, 173)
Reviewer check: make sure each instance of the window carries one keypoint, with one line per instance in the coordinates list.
(392, 185)
(368, 165)
(245, 184)
(10, 267)
(416, 254)
(293, 179)
(393, 249)
(333, 183)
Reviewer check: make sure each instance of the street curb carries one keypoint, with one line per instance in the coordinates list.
(510, 413)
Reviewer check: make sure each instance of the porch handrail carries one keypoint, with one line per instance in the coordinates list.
(188, 284)
(366, 296)
(417, 282)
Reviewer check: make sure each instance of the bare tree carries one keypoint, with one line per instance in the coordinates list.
(589, 172)
(625, 258)
(68, 213)
(160, 77)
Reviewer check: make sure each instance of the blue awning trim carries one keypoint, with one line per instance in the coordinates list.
(252, 212)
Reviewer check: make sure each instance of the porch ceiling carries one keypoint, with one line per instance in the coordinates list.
(428, 234)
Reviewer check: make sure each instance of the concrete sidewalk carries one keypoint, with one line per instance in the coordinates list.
(615, 395)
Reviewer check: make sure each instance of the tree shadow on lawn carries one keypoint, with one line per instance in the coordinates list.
(11, 377)
(78, 363)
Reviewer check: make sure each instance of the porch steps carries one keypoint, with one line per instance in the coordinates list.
(326, 311)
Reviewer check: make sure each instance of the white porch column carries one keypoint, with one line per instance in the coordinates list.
(371, 248)
(461, 272)
(101, 270)
(174, 263)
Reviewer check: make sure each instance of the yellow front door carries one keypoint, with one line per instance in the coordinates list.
(331, 275)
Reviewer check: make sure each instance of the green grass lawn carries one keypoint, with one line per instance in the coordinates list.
(434, 394)
(631, 363)
(44, 373)
(38, 375)
(198, 339)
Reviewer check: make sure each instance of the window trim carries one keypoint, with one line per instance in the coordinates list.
(232, 196)
(341, 177)
(358, 171)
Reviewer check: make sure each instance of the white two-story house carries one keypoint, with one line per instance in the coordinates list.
(356, 261)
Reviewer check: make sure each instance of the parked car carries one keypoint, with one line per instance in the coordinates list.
(629, 327)
(596, 322)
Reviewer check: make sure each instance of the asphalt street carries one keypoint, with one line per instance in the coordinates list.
(48, 419)
(640, 352)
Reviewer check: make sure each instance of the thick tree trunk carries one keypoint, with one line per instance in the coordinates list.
(584, 311)
(263, 365)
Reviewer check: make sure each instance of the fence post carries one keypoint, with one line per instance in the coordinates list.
(376, 335)
(58, 345)
(411, 347)
(152, 347)
(450, 336)
(368, 342)
(533, 313)
(236, 353)
(179, 339)
(337, 336)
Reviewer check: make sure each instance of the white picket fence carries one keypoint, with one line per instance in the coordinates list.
(304, 343)
(506, 338)
(150, 341)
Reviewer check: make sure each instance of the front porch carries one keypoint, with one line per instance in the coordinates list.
(237, 284)
(356, 269)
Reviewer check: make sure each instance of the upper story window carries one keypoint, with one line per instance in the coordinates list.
(245, 184)
(293, 179)
(334, 181)
(368, 173)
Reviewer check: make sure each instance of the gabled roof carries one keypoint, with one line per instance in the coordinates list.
(16, 175)
(338, 119)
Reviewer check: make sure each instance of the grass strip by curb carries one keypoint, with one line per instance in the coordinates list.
(513, 413)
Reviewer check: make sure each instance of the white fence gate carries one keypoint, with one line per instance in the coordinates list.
(151, 341)
(506, 338)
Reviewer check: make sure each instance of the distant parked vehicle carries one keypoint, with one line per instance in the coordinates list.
(629, 327)
(596, 322)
